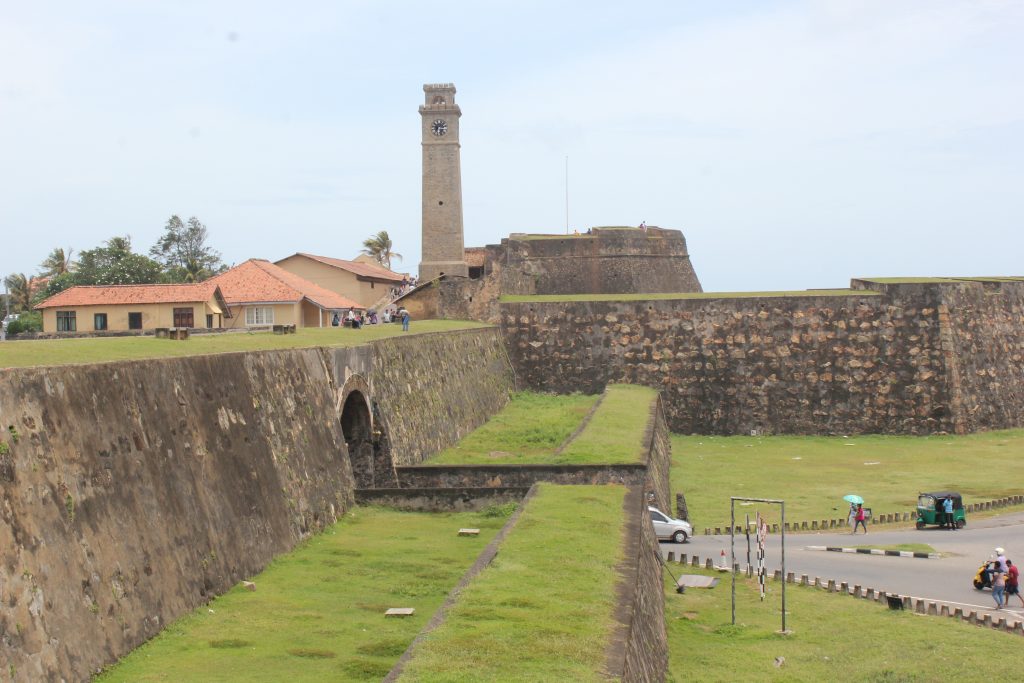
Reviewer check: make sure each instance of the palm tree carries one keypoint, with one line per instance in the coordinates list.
(379, 247)
(57, 263)
(19, 290)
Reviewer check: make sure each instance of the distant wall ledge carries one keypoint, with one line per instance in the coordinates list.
(543, 298)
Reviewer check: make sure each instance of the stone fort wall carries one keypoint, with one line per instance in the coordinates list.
(908, 359)
(132, 492)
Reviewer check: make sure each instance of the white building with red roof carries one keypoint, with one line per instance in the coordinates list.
(260, 293)
(100, 308)
(364, 282)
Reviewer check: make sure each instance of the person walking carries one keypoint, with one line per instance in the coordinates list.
(947, 508)
(861, 519)
(405, 320)
(1012, 583)
(998, 587)
(852, 518)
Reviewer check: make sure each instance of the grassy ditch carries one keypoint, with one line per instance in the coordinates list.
(835, 638)
(527, 430)
(318, 612)
(98, 350)
(813, 474)
(616, 430)
(543, 610)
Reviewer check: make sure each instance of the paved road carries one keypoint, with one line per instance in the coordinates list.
(943, 580)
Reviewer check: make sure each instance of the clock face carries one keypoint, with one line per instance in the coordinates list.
(439, 127)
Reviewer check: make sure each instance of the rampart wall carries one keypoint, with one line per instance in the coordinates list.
(914, 359)
(607, 261)
(132, 492)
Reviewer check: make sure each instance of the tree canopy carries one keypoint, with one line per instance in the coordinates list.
(115, 263)
(379, 247)
(183, 252)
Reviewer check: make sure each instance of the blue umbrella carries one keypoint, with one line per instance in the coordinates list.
(852, 498)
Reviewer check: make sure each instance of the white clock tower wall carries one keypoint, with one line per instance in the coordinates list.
(442, 184)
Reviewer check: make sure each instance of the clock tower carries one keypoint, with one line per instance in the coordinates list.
(442, 184)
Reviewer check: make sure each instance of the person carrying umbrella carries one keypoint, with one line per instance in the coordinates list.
(861, 518)
(851, 519)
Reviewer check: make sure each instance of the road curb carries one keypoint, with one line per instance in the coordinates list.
(875, 551)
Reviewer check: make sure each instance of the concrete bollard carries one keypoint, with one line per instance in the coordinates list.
(944, 611)
(682, 558)
(709, 564)
(775, 527)
(804, 580)
(814, 525)
(718, 531)
(831, 586)
(803, 526)
(777, 576)
(856, 590)
(671, 557)
(790, 577)
(817, 582)
(972, 617)
(736, 567)
(908, 602)
(920, 607)
(869, 594)
(1019, 628)
(987, 621)
(844, 588)
(707, 531)
(999, 623)
(831, 524)
(882, 597)
(750, 571)
(958, 613)
(695, 561)
(933, 609)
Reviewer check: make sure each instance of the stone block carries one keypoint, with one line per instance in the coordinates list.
(400, 612)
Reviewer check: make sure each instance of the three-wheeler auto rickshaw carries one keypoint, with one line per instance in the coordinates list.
(930, 509)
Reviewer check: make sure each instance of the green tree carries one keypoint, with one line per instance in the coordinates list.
(379, 247)
(19, 291)
(115, 264)
(57, 263)
(183, 252)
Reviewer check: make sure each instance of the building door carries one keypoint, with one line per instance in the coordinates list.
(134, 321)
(183, 317)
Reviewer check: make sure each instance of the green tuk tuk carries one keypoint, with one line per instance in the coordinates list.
(930, 509)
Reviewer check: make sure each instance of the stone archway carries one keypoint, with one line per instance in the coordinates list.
(357, 427)
(369, 449)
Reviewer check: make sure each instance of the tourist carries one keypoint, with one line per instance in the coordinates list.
(405, 319)
(1012, 583)
(335, 321)
(947, 508)
(998, 587)
(852, 517)
(861, 519)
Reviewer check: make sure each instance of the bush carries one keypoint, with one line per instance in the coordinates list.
(26, 322)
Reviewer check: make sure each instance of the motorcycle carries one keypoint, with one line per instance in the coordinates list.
(983, 579)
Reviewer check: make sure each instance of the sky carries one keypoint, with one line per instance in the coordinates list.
(796, 144)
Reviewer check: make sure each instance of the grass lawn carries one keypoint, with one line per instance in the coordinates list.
(835, 638)
(812, 474)
(616, 430)
(527, 430)
(542, 298)
(543, 610)
(97, 350)
(318, 612)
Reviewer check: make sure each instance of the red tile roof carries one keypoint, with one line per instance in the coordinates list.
(112, 295)
(260, 281)
(355, 267)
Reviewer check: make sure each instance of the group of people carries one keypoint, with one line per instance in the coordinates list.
(1004, 576)
(408, 284)
(356, 320)
(858, 517)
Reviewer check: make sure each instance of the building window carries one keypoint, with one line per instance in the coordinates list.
(99, 321)
(134, 321)
(259, 315)
(66, 321)
(183, 317)
(209, 321)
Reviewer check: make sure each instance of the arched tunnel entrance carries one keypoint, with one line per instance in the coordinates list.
(369, 449)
